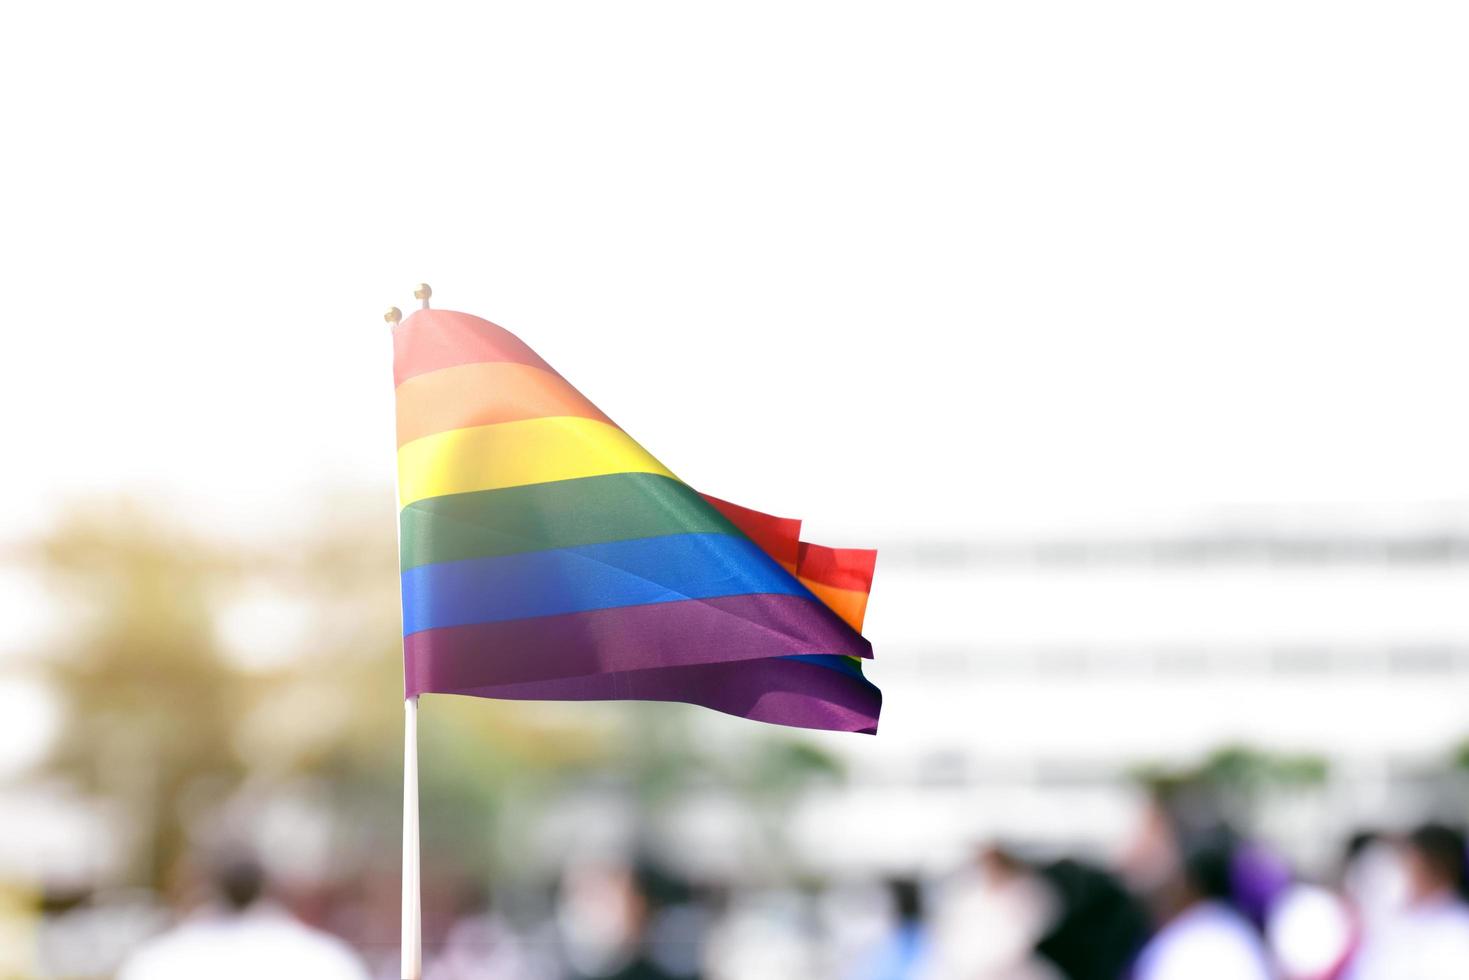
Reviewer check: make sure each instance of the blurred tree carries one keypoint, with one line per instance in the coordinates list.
(1233, 781)
(150, 707)
(1460, 755)
(1240, 768)
(1251, 769)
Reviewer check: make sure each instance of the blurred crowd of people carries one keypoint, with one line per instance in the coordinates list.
(1188, 899)
(1196, 901)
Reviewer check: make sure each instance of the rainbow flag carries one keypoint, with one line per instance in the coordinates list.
(545, 555)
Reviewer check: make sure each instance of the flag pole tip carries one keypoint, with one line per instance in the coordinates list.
(393, 315)
(423, 292)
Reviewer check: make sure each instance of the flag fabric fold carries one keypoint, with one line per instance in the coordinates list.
(546, 555)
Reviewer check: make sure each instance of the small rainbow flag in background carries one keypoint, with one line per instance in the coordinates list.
(546, 555)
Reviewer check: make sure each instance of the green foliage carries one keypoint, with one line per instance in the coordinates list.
(1236, 770)
(1460, 755)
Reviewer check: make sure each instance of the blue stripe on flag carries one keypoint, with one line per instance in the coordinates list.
(596, 576)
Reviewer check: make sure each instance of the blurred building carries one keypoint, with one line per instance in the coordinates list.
(1026, 681)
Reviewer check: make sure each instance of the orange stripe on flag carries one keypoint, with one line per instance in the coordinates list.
(849, 604)
(485, 393)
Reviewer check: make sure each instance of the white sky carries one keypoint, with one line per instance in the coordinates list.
(893, 268)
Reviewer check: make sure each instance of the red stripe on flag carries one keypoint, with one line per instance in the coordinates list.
(433, 339)
(840, 568)
(778, 537)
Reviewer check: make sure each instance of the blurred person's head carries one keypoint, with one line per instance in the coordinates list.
(1203, 870)
(1149, 861)
(1000, 865)
(1358, 843)
(1259, 876)
(1096, 928)
(1187, 852)
(1374, 876)
(603, 910)
(1434, 859)
(473, 897)
(657, 886)
(1207, 862)
(1179, 817)
(907, 898)
(239, 882)
(59, 897)
(988, 919)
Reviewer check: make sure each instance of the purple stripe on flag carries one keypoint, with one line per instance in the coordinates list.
(782, 692)
(667, 634)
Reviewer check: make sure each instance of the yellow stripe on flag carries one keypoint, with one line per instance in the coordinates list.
(513, 454)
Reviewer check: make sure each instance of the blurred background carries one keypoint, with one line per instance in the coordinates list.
(1131, 337)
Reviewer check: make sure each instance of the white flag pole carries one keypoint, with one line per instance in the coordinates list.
(412, 891)
(412, 920)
